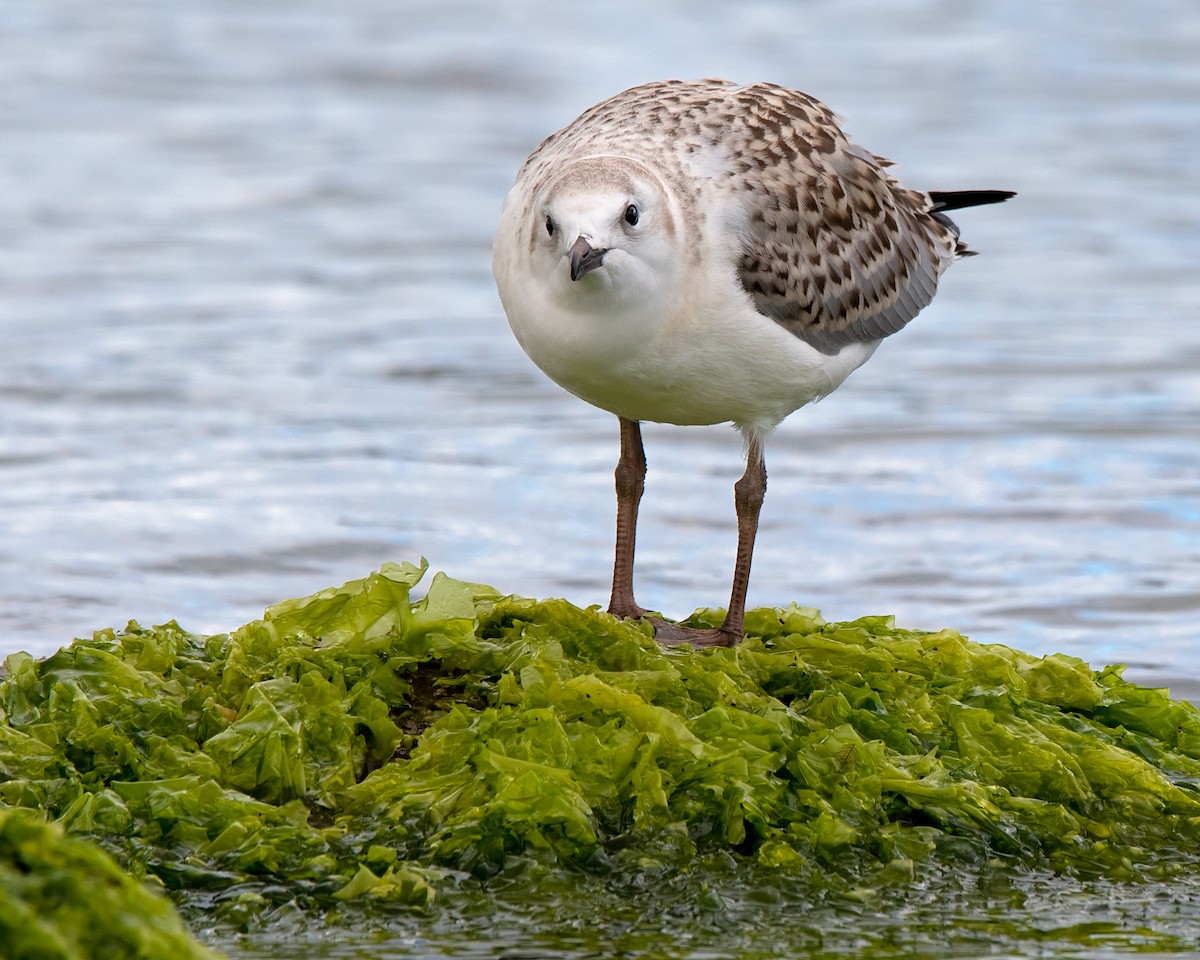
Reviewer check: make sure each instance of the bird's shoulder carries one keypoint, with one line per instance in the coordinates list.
(830, 244)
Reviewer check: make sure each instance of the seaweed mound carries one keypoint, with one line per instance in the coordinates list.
(360, 745)
(65, 900)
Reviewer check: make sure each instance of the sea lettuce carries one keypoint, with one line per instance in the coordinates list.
(363, 745)
(63, 899)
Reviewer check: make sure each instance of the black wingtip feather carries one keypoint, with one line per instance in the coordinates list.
(956, 199)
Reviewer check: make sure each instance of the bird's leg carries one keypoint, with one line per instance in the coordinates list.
(631, 481)
(748, 495)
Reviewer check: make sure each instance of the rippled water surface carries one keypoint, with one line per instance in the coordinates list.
(251, 348)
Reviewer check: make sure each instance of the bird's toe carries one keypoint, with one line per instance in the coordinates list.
(675, 635)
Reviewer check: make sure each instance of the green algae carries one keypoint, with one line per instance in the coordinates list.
(358, 750)
(63, 899)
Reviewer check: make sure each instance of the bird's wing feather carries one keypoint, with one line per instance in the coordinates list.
(834, 248)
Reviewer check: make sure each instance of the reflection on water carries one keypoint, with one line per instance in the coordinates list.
(950, 915)
(251, 345)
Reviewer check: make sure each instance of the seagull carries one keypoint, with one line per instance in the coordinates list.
(701, 252)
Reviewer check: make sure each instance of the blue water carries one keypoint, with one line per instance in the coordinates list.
(249, 344)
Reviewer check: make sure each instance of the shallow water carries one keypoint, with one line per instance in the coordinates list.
(252, 348)
(993, 914)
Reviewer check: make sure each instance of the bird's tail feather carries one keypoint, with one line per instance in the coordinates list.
(956, 199)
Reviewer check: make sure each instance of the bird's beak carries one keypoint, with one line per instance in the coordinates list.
(584, 258)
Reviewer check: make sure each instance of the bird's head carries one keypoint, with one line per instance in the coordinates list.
(603, 229)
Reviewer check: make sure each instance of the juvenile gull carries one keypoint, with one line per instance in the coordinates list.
(704, 252)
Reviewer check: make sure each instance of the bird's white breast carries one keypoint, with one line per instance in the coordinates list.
(690, 350)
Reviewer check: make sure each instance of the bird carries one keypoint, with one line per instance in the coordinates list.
(704, 252)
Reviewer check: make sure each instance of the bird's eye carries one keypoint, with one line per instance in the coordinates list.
(549, 227)
(631, 215)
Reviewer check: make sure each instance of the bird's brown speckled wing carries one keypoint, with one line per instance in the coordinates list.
(835, 249)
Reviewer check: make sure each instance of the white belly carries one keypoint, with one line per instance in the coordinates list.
(726, 363)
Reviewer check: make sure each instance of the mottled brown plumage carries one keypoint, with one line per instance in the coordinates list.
(833, 247)
(702, 252)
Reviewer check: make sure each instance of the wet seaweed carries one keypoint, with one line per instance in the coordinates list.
(364, 747)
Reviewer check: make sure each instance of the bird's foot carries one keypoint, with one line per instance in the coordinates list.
(674, 635)
(626, 611)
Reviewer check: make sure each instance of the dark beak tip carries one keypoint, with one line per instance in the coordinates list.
(584, 258)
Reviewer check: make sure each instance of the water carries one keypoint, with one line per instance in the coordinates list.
(251, 346)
